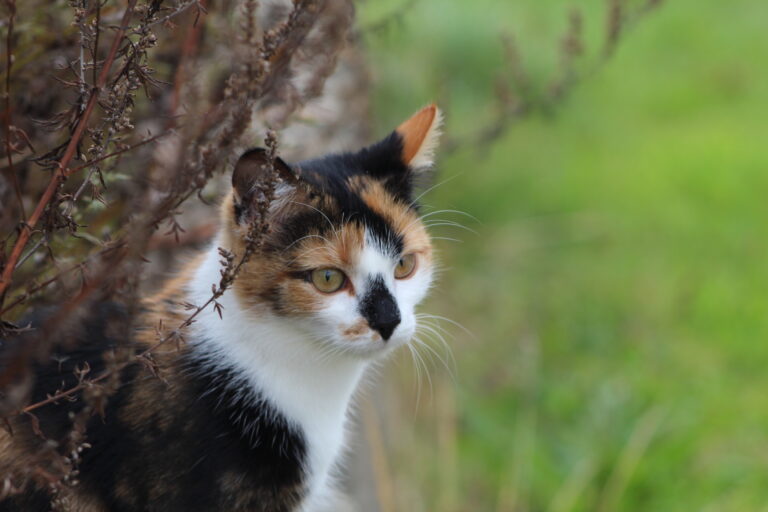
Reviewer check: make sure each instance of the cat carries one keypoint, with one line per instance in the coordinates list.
(249, 413)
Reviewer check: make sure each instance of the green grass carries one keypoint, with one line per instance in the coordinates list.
(617, 286)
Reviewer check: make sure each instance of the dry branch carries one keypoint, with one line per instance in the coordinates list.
(61, 171)
(516, 98)
(130, 198)
(267, 62)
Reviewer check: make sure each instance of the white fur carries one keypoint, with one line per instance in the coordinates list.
(425, 156)
(307, 368)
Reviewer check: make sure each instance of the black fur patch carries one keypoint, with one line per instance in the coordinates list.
(381, 161)
(205, 440)
(217, 428)
(28, 502)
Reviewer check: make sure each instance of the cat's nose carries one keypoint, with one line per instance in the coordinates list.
(386, 319)
(380, 309)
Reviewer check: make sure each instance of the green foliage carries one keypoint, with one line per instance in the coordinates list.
(616, 286)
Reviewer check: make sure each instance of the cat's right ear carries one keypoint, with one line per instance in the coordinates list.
(419, 136)
(251, 175)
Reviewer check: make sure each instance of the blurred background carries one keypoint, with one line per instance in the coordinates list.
(614, 284)
(598, 338)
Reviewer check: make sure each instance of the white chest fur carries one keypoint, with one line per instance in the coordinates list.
(311, 388)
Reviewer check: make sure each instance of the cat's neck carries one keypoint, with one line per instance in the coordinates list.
(311, 388)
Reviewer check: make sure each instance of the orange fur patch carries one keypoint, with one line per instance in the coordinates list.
(339, 251)
(357, 329)
(404, 220)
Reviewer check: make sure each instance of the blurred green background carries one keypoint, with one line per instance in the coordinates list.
(616, 286)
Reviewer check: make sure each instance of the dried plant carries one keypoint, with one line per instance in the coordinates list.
(137, 131)
(517, 98)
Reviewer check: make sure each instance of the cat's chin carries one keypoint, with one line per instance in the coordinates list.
(372, 346)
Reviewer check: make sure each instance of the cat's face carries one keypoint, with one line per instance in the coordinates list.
(348, 257)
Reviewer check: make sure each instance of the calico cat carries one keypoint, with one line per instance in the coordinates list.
(249, 413)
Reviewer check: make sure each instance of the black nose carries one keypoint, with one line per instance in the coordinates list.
(379, 308)
(385, 318)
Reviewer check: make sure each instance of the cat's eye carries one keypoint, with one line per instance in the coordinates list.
(405, 266)
(328, 280)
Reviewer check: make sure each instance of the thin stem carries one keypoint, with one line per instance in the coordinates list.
(60, 173)
(11, 4)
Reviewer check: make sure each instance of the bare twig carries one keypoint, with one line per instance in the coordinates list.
(515, 98)
(396, 17)
(59, 174)
(121, 222)
(7, 116)
(188, 51)
(200, 4)
(72, 170)
(24, 296)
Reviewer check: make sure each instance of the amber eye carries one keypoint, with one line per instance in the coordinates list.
(328, 280)
(405, 266)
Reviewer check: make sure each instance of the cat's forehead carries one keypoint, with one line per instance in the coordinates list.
(343, 215)
(379, 164)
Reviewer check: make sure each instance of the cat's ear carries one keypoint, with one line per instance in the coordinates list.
(420, 135)
(252, 174)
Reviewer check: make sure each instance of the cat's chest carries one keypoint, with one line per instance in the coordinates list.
(274, 360)
(286, 438)
(315, 402)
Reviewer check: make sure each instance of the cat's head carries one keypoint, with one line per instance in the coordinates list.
(347, 257)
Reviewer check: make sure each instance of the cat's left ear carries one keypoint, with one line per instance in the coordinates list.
(420, 135)
(252, 174)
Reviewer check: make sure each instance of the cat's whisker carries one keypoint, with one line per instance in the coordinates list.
(439, 223)
(438, 328)
(427, 215)
(304, 238)
(438, 337)
(448, 239)
(419, 360)
(328, 348)
(328, 352)
(419, 343)
(333, 227)
(458, 212)
(417, 368)
(431, 352)
(450, 321)
(305, 253)
(433, 321)
(433, 187)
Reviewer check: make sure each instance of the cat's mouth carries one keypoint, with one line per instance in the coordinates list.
(359, 338)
